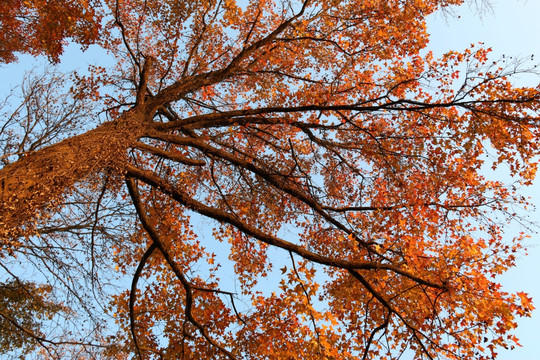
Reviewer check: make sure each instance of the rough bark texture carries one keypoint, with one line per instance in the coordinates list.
(36, 182)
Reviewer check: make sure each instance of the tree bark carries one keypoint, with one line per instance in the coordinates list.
(33, 185)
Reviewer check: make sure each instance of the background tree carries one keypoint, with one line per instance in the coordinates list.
(336, 161)
(23, 305)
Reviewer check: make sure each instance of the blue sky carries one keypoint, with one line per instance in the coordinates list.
(511, 28)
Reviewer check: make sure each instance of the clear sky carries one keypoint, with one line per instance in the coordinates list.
(511, 28)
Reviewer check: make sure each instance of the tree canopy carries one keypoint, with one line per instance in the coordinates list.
(44, 26)
(259, 180)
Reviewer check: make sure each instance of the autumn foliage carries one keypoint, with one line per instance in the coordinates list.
(264, 180)
(44, 26)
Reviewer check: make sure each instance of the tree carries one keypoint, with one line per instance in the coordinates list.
(334, 158)
(23, 304)
(42, 26)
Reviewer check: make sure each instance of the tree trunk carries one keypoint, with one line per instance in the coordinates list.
(36, 183)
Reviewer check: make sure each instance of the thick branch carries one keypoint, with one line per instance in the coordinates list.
(241, 117)
(156, 239)
(177, 90)
(133, 294)
(143, 84)
(153, 180)
(167, 154)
